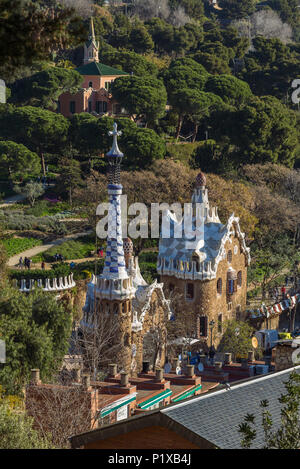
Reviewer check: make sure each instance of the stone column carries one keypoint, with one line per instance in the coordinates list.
(190, 371)
(112, 370)
(35, 377)
(227, 358)
(124, 380)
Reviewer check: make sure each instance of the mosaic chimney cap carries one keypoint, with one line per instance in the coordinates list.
(200, 180)
(128, 246)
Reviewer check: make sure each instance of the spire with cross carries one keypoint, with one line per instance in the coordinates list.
(114, 158)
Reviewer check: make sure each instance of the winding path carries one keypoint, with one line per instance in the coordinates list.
(14, 260)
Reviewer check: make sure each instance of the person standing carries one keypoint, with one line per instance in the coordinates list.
(43, 265)
(20, 263)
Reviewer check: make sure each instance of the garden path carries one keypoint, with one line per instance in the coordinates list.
(14, 260)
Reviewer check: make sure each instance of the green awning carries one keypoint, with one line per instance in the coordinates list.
(188, 393)
(116, 405)
(155, 399)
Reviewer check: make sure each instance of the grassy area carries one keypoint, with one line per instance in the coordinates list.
(76, 249)
(17, 245)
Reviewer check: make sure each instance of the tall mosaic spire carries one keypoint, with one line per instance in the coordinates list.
(114, 266)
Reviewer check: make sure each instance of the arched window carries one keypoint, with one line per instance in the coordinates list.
(90, 84)
(171, 287)
(116, 308)
(239, 278)
(219, 286)
(229, 256)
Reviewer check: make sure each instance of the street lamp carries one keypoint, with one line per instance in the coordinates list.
(211, 326)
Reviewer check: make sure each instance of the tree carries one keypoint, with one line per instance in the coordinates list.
(140, 40)
(263, 130)
(212, 63)
(270, 262)
(129, 61)
(152, 8)
(287, 436)
(237, 8)
(84, 136)
(36, 329)
(193, 8)
(236, 338)
(142, 97)
(70, 177)
(195, 104)
(288, 10)
(186, 74)
(46, 27)
(230, 89)
(31, 191)
(17, 161)
(17, 432)
(39, 130)
(44, 88)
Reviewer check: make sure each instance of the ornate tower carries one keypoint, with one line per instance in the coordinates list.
(91, 47)
(115, 288)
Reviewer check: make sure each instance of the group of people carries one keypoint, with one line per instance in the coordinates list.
(24, 263)
(58, 257)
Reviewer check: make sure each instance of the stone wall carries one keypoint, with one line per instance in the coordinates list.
(207, 301)
(283, 356)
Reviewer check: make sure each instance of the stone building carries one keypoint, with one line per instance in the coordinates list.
(210, 273)
(94, 96)
(141, 310)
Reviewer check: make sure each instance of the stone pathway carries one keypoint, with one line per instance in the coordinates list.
(14, 260)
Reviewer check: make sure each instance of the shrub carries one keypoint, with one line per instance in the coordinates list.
(75, 249)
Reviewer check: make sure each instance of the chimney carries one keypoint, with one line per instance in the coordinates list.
(251, 356)
(35, 377)
(203, 359)
(175, 364)
(159, 374)
(124, 380)
(244, 364)
(86, 381)
(218, 367)
(190, 371)
(112, 370)
(146, 367)
(227, 358)
(77, 375)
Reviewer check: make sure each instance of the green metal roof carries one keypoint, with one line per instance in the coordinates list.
(109, 409)
(96, 68)
(153, 400)
(187, 394)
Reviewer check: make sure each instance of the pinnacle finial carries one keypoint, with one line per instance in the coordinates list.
(115, 151)
(92, 31)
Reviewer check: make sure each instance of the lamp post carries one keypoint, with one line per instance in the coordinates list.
(211, 349)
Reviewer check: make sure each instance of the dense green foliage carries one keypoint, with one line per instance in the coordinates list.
(36, 329)
(17, 161)
(17, 431)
